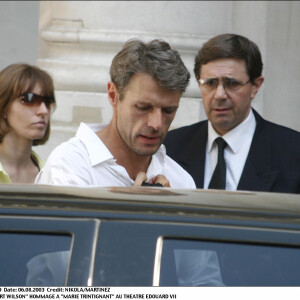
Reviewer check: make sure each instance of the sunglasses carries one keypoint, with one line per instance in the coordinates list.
(33, 99)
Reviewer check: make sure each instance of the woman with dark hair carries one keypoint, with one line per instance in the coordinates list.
(26, 102)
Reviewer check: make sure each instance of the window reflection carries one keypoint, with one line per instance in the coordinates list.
(206, 263)
(24, 256)
(197, 268)
(48, 269)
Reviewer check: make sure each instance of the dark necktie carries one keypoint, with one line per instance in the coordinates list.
(218, 179)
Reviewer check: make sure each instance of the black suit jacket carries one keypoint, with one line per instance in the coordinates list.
(273, 162)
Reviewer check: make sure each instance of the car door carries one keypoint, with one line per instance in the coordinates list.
(210, 252)
(49, 251)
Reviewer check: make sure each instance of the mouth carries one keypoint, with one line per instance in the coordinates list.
(221, 109)
(40, 124)
(149, 139)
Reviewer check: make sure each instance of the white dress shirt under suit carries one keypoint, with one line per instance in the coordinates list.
(235, 154)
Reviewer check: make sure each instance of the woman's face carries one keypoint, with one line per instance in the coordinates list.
(28, 121)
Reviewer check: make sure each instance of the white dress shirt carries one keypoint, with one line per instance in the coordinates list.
(84, 160)
(235, 154)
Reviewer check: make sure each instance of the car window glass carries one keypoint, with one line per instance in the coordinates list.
(206, 263)
(33, 259)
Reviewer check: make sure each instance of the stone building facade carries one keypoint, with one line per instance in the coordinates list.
(78, 39)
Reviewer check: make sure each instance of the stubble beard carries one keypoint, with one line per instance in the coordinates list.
(134, 148)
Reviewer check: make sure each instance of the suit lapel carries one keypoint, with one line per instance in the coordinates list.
(252, 180)
(199, 155)
(193, 155)
(258, 174)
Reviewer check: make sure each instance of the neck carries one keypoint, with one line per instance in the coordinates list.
(131, 161)
(16, 152)
(15, 156)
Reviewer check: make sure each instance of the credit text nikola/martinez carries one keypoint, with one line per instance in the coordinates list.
(82, 289)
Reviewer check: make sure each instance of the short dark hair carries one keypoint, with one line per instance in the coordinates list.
(155, 58)
(230, 46)
(18, 79)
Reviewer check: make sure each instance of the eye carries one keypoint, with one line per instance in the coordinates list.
(169, 110)
(24, 99)
(143, 107)
(27, 98)
(231, 83)
(211, 82)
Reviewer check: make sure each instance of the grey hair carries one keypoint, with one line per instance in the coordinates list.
(155, 58)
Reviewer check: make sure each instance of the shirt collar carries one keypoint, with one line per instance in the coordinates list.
(235, 137)
(97, 150)
(40, 162)
(87, 134)
(4, 177)
(2, 170)
(157, 163)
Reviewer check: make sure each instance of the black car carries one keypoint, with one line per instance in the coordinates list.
(144, 236)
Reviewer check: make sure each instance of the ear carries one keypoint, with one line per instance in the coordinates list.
(256, 86)
(113, 94)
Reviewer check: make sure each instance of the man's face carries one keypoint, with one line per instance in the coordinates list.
(226, 108)
(145, 113)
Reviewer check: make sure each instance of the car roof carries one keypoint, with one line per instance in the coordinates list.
(192, 199)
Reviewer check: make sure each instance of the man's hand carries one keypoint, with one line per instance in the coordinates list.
(140, 178)
(161, 179)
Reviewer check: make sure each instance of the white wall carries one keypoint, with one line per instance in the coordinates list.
(282, 64)
(18, 32)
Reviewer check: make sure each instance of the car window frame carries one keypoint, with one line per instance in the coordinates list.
(283, 237)
(84, 233)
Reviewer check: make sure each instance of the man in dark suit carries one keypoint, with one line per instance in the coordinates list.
(235, 149)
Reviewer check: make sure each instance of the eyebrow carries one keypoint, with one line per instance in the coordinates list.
(227, 77)
(143, 102)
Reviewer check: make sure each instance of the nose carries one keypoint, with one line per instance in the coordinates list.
(155, 119)
(42, 109)
(220, 92)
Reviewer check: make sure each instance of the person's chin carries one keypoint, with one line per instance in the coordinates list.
(38, 135)
(146, 150)
(221, 118)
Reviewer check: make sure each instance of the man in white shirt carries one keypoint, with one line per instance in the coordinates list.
(235, 149)
(147, 81)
